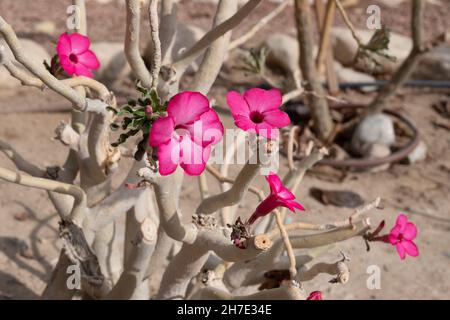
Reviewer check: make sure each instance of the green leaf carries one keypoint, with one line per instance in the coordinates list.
(114, 126)
(113, 110)
(125, 109)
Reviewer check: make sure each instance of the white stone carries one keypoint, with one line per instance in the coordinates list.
(345, 74)
(283, 52)
(434, 65)
(378, 128)
(378, 150)
(418, 154)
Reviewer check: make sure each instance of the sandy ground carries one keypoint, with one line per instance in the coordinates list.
(28, 230)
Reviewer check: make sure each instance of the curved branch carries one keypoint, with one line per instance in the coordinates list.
(19, 161)
(216, 52)
(79, 209)
(258, 26)
(132, 42)
(190, 55)
(136, 267)
(38, 69)
(235, 194)
(154, 30)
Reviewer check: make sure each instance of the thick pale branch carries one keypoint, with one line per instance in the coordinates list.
(193, 257)
(79, 208)
(38, 69)
(154, 30)
(216, 52)
(235, 194)
(167, 189)
(136, 266)
(190, 55)
(132, 52)
(258, 26)
(338, 269)
(168, 30)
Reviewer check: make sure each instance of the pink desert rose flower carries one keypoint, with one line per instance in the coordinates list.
(402, 236)
(75, 56)
(315, 295)
(279, 196)
(258, 111)
(184, 137)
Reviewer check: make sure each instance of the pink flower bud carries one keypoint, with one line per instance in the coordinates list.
(280, 196)
(315, 295)
(148, 110)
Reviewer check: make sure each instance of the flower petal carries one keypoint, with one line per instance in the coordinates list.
(169, 157)
(81, 70)
(79, 43)
(266, 130)
(89, 60)
(244, 123)
(263, 100)
(401, 221)
(410, 231)
(264, 208)
(400, 250)
(237, 104)
(286, 194)
(161, 131)
(187, 106)
(63, 47)
(275, 183)
(393, 235)
(193, 156)
(277, 118)
(207, 129)
(410, 248)
(315, 295)
(67, 65)
(292, 205)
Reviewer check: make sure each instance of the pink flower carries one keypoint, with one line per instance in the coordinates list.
(279, 196)
(184, 137)
(258, 111)
(315, 295)
(402, 236)
(75, 56)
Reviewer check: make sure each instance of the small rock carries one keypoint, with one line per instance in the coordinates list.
(418, 154)
(283, 52)
(21, 216)
(378, 150)
(350, 75)
(338, 198)
(377, 128)
(26, 252)
(434, 65)
(338, 153)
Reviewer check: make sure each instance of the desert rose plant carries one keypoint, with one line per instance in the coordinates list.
(204, 252)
